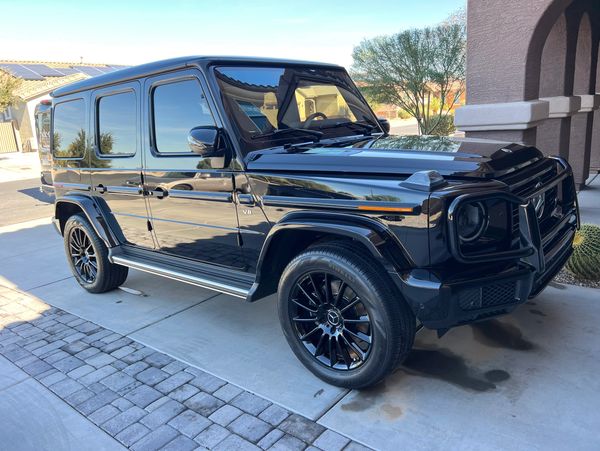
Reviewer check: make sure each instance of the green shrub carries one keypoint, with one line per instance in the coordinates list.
(585, 261)
(403, 114)
(444, 127)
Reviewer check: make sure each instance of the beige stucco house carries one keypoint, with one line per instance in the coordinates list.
(17, 123)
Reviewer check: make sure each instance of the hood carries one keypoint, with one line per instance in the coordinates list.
(401, 155)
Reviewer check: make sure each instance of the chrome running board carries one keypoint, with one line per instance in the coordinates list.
(225, 281)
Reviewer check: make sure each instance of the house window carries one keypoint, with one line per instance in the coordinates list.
(6, 116)
(117, 131)
(178, 107)
(69, 139)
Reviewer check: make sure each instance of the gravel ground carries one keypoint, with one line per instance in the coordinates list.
(566, 277)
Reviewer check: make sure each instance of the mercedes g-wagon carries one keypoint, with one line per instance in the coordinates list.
(259, 176)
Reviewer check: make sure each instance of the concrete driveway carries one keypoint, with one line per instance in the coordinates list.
(525, 381)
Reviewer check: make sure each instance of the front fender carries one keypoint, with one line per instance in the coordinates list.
(380, 242)
(69, 204)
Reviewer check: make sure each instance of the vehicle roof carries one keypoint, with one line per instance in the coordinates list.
(147, 69)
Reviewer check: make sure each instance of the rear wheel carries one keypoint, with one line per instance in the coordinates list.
(88, 257)
(342, 316)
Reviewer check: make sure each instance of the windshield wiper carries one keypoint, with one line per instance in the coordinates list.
(316, 135)
(359, 126)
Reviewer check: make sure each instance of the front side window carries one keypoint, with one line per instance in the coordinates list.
(178, 107)
(69, 140)
(275, 105)
(116, 135)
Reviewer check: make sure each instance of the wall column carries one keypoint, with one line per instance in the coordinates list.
(504, 54)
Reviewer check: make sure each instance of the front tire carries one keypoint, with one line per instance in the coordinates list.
(343, 317)
(88, 257)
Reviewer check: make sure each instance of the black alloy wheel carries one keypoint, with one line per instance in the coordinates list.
(83, 255)
(88, 257)
(342, 315)
(331, 321)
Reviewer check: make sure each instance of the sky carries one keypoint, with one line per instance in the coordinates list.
(133, 32)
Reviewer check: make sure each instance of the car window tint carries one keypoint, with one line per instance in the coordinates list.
(117, 124)
(69, 138)
(178, 107)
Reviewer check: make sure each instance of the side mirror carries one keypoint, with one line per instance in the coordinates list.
(206, 141)
(384, 124)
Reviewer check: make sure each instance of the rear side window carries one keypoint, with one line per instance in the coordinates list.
(117, 124)
(69, 138)
(42, 124)
(178, 107)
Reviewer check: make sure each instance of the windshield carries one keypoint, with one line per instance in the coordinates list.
(273, 106)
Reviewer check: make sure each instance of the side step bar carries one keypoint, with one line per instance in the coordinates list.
(236, 288)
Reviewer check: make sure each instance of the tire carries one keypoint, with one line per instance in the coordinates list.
(92, 270)
(372, 323)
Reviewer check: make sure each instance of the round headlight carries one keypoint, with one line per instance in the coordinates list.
(471, 221)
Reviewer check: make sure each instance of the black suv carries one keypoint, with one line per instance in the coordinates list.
(257, 176)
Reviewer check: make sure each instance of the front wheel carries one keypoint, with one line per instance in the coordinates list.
(88, 257)
(343, 319)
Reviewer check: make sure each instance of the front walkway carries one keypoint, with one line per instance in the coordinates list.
(141, 398)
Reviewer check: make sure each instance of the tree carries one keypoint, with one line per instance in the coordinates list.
(8, 85)
(412, 68)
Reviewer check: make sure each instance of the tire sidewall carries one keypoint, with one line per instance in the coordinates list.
(369, 295)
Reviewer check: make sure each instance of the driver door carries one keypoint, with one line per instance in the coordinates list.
(190, 204)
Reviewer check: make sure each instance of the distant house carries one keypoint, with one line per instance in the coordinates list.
(17, 123)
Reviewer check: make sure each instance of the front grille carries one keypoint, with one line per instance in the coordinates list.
(488, 296)
(525, 183)
(555, 219)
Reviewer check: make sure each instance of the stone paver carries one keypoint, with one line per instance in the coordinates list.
(331, 441)
(145, 399)
(190, 423)
(269, 440)
(143, 395)
(184, 392)
(151, 376)
(123, 420)
(204, 404)
(250, 403)
(274, 414)
(132, 434)
(249, 427)
(180, 443)
(156, 439)
(301, 428)
(234, 442)
(225, 415)
(212, 436)
(162, 414)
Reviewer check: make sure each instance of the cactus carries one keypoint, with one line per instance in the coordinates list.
(585, 261)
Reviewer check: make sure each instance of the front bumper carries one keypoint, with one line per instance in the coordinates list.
(445, 298)
(441, 304)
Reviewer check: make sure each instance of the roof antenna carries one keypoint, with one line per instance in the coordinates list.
(81, 60)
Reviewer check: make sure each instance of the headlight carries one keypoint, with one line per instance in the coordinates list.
(472, 220)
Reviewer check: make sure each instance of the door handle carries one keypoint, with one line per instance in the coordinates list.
(245, 199)
(159, 193)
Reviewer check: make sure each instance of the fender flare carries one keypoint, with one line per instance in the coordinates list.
(381, 243)
(93, 211)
